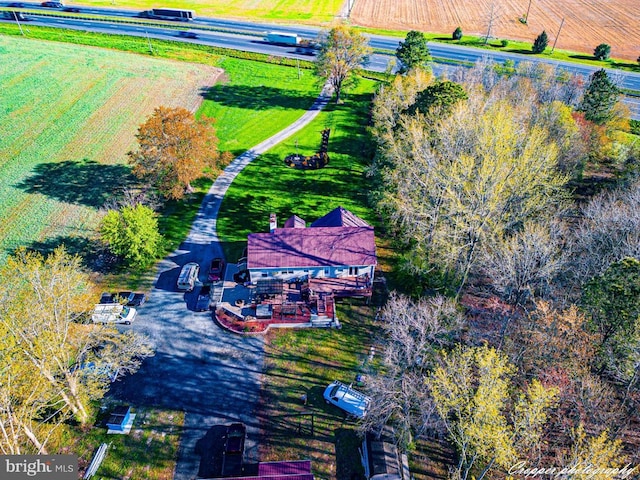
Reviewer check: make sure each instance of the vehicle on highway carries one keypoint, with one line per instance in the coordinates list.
(17, 16)
(187, 34)
(52, 4)
(171, 14)
(71, 9)
(113, 313)
(203, 303)
(188, 276)
(16, 5)
(216, 269)
(346, 398)
(277, 38)
(130, 299)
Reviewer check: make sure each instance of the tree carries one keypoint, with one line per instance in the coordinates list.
(613, 301)
(342, 51)
(540, 43)
(472, 177)
(600, 98)
(413, 331)
(471, 388)
(523, 265)
(457, 34)
(132, 233)
(602, 51)
(45, 347)
(413, 52)
(174, 149)
(438, 98)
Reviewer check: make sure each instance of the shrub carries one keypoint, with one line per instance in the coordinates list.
(635, 126)
(504, 43)
(540, 43)
(602, 51)
(457, 35)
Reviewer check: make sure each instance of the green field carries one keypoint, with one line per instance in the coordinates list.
(70, 114)
(316, 11)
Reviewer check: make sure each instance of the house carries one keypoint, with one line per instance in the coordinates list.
(339, 246)
(382, 460)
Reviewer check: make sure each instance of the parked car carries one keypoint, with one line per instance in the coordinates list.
(130, 299)
(216, 270)
(52, 4)
(113, 313)
(346, 398)
(234, 443)
(204, 299)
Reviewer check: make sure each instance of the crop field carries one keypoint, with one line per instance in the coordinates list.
(303, 11)
(587, 23)
(69, 115)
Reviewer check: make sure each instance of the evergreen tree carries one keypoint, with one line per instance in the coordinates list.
(457, 34)
(540, 43)
(413, 52)
(600, 98)
(602, 51)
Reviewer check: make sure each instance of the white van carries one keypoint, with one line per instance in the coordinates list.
(188, 276)
(113, 313)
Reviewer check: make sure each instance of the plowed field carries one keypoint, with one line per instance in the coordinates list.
(587, 22)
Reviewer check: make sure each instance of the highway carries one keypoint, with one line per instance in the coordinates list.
(248, 36)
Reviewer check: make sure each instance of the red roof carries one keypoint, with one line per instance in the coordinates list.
(340, 217)
(312, 247)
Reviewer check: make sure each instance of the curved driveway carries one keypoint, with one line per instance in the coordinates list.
(212, 375)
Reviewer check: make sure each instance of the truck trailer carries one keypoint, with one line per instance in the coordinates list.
(283, 38)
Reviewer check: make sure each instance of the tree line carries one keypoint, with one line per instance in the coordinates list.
(518, 337)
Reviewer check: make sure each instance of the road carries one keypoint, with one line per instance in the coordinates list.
(248, 36)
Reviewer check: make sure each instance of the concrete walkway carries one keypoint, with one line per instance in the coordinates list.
(212, 375)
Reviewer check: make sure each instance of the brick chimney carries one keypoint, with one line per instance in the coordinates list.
(273, 222)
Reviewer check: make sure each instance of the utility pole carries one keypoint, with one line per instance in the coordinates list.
(491, 20)
(556, 40)
(526, 16)
(350, 7)
(149, 42)
(15, 15)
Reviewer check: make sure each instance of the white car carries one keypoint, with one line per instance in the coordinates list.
(346, 398)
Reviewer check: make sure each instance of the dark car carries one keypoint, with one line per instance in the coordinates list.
(71, 9)
(234, 443)
(16, 5)
(187, 34)
(17, 16)
(203, 303)
(52, 4)
(130, 299)
(216, 269)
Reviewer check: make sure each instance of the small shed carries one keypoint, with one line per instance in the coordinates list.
(120, 419)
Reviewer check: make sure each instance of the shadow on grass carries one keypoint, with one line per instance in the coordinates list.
(258, 98)
(88, 250)
(521, 51)
(79, 182)
(347, 444)
(590, 58)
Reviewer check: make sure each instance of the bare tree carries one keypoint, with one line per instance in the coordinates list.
(523, 265)
(414, 331)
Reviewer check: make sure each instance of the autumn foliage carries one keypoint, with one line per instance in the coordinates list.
(174, 149)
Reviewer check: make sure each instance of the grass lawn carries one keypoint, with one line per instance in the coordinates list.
(267, 185)
(305, 361)
(149, 451)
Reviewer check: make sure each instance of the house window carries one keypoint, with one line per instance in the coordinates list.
(353, 271)
(326, 271)
(263, 274)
